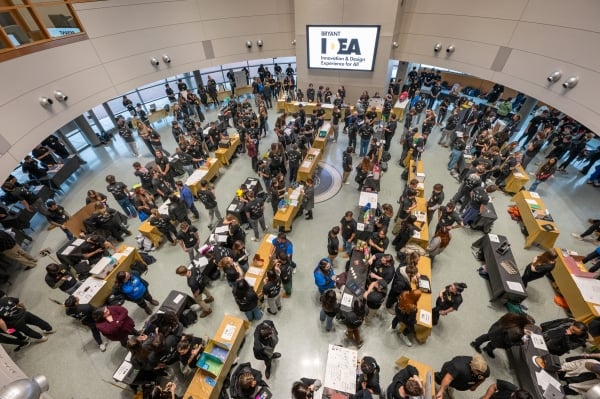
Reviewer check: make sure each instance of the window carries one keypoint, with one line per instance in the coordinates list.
(27, 23)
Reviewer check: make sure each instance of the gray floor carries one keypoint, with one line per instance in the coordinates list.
(77, 369)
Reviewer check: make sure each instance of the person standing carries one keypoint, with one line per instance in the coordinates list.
(329, 309)
(178, 210)
(114, 323)
(333, 243)
(121, 193)
(13, 251)
(347, 164)
(374, 297)
(336, 115)
(348, 230)
(324, 276)
(188, 198)
(541, 266)
(254, 210)
(545, 172)
(406, 312)
(207, 196)
(353, 320)
(247, 300)
(294, 158)
(309, 198)
(127, 136)
(272, 292)
(449, 300)
(189, 240)
(197, 282)
(83, 313)
(266, 339)
(135, 289)
(435, 201)
(58, 216)
(462, 373)
(506, 332)
(15, 315)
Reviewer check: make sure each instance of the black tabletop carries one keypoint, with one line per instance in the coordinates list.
(505, 280)
(356, 277)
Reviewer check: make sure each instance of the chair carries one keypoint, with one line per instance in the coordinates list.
(62, 21)
(18, 33)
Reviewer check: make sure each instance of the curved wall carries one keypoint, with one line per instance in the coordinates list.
(515, 42)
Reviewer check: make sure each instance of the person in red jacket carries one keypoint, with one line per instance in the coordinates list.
(114, 323)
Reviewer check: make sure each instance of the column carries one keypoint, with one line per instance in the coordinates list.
(87, 131)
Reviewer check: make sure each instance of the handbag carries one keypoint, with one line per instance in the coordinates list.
(142, 215)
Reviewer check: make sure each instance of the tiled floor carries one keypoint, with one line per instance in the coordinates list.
(77, 369)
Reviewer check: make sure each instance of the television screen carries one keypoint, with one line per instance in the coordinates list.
(348, 47)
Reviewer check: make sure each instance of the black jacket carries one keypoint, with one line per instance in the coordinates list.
(399, 380)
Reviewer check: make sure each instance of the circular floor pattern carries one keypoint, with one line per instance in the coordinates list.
(328, 182)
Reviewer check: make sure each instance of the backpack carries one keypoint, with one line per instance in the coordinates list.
(188, 317)
(139, 267)
(147, 258)
(286, 272)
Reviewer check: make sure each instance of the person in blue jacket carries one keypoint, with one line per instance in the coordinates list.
(134, 289)
(324, 275)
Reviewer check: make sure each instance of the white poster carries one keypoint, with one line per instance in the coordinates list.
(342, 47)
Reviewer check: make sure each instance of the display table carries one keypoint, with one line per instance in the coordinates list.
(256, 275)
(485, 220)
(231, 333)
(356, 280)
(533, 210)
(505, 281)
(243, 90)
(425, 304)
(426, 374)
(399, 109)
(323, 135)
(366, 226)
(340, 372)
(156, 116)
(516, 180)
(224, 155)
(95, 291)
(207, 172)
(418, 174)
(309, 165)
(281, 103)
(570, 275)
(176, 302)
(61, 172)
(221, 95)
(522, 359)
(70, 253)
(284, 217)
(151, 232)
(292, 107)
(421, 238)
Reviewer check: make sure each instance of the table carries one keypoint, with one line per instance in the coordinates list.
(222, 95)
(255, 275)
(320, 140)
(421, 238)
(281, 103)
(419, 174)
(207, 172)
(505, 281)
(224, 155)
(366, 226)
(516, 180)
(242, 90)
(426, 373)
(230, 333)
(340, 372)
(284, 217)
(75, 222)
(61, 172)
(522, 360)
(151, 232)
(155, 116)
(568, 274)
(356, 280)
(532, 211)
(292, 107)
(176, 302)
(70, 253)
(309, 165)
(97, 293)
(424, 317)
(399, 109)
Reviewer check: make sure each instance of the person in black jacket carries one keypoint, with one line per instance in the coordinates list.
(247, 383)
(63, 277)
(563, 335)
(405, 384)
(367, 375)
(164, 225)
(83, 313)
(247, 300)
(506, 332)
(353, 320)
(403, 276)
(197, 283)
(265, 341)
(305, 388)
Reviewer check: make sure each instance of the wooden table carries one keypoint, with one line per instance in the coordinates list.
(257, 275)
(537, 234)
(281, 103)
(425, 304)
(567, 273)
(421, 238)
(284, 217)
(516, 180)
(320, 142)
(207, 172)
(399, 109)
(426, 373)
(129, 255)
(151, 232)
(242, 90)
(231, 333)
(292, 107)
(224, 155)
(418, 174)
(156, 116)
(309, 165)
(75, 222)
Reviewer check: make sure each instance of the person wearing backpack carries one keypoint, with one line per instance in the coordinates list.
(285, 267)
(265, 341)
(197, 282)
